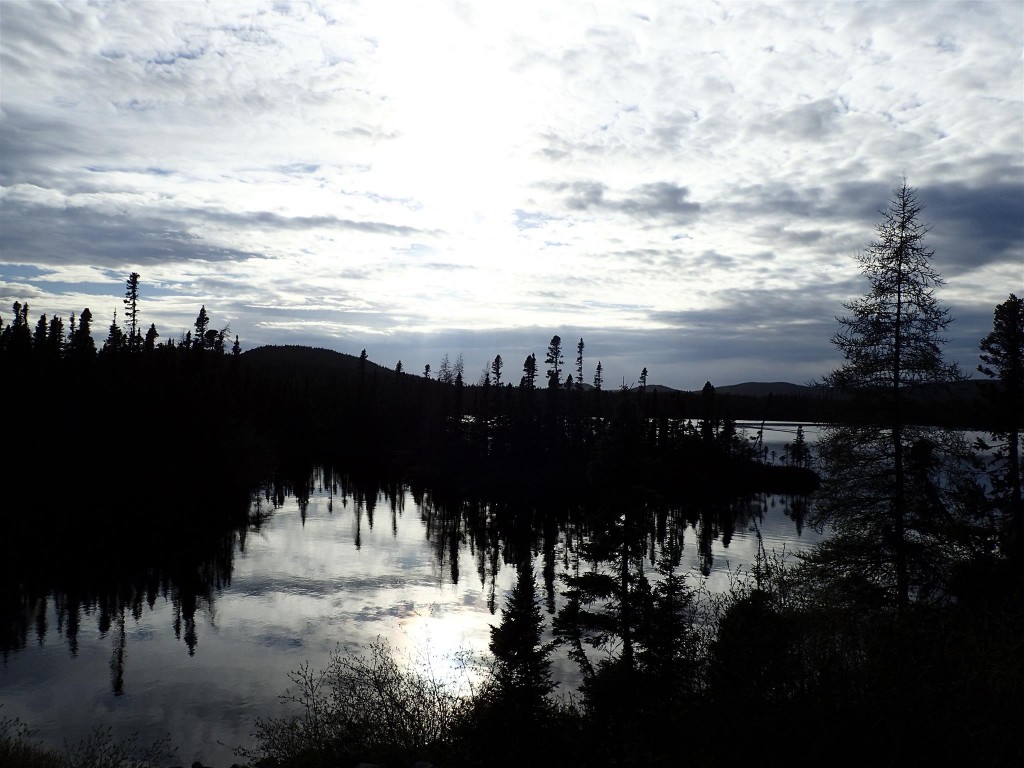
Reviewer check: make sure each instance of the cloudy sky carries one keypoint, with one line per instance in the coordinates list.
(684, 185)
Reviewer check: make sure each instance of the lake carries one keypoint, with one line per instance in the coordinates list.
(200, 655)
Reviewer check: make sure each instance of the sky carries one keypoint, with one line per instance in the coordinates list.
(685, 186)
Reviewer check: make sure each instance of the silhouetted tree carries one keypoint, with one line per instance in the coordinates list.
(444, 372)
(55, 340)
(115, 341)
(1002, 356)
(496, 370)
(579, 364)
(19, 334)
(668, 641)
(236, 349)
(522, 670)
(598, 376)
(82, 344)
(643, 380)
(798, 452)
(398, 367)
(891, 342)
(709, 418)
(553, 359)
(151, 336)
(202, 324)
(529, 380)
(131, 310)
(39, 335)
(426, 371)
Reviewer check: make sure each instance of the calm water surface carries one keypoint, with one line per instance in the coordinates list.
(309, 579)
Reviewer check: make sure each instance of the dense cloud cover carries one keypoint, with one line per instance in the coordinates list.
(681, 184)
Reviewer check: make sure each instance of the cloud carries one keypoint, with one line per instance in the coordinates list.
(647, 201)
(975, 225)
(807, 122)
(662, 177)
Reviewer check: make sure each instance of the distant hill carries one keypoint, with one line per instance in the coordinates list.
(300, 356)
(960, 404)
(762, 389)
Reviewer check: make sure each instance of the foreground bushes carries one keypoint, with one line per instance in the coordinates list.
(778, 675)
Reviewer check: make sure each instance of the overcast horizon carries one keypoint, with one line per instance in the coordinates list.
(684, 186)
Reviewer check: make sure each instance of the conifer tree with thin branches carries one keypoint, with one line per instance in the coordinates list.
(883, 495)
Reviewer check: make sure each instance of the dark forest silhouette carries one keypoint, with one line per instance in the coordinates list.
(896, 640)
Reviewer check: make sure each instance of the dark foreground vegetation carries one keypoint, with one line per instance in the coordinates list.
(898, 640)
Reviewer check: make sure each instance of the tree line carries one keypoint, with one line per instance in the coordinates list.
(19, 340)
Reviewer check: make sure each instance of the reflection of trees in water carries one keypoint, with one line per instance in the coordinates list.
(107, 574)
(506, 534)
(109, 577)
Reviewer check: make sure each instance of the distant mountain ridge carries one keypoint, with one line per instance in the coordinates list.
(332, 359)
(748, 389)
(762, 389)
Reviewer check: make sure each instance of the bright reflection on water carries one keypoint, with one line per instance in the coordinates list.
(303, 583)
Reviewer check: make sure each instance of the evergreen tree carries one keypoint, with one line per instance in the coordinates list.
(426, 371)
(72, 339)
(19, 342)
(114, 342)
(643, 380)
(151, 336)
(84, 345)
(522, 670)
(529, 380)
(55, 340)
(40, 335)
(553, 359)
(496, 370)
(579, 365)
(131, 310)
(236, 349)
(598, 376)
(398, 367)
(202, 324)
(1002, 356)
(667, 638)
(444, 372)
(798, 451)
(709, 420)
(891, 342)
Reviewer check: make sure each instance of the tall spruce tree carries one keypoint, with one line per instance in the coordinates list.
(522, 671)
(1002, 356)
(579, 364)
(40, 335)
(131, 311)
(202, 324)
(529, 380)
(553, 360)
(151, 336)
(115, 341)
(55, 340)
(888, 486)
(84, 345)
